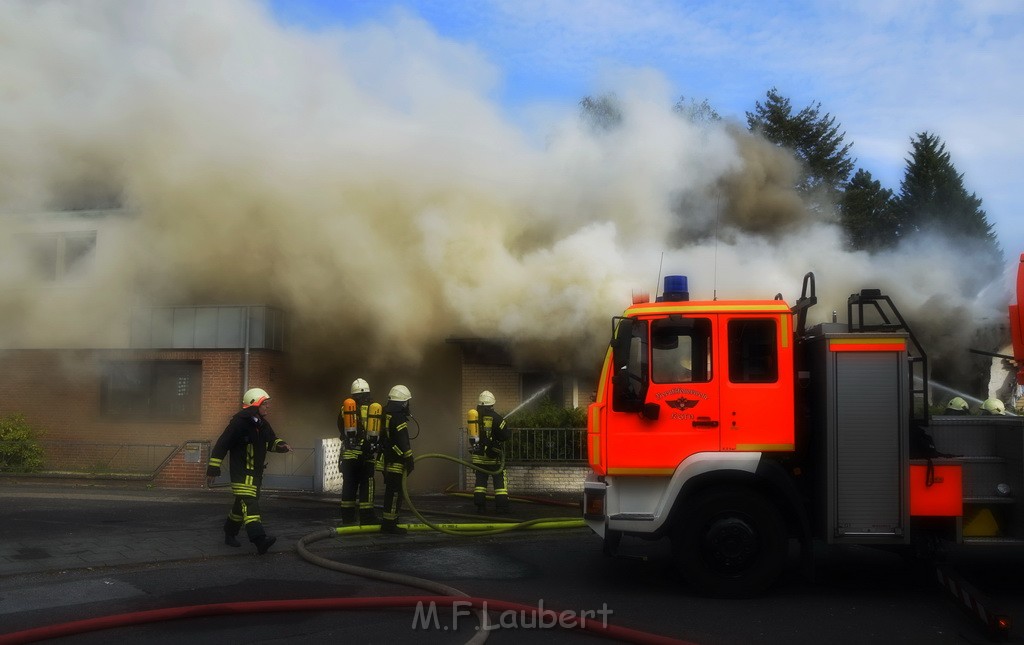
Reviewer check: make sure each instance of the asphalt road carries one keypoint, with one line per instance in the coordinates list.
(73, 553)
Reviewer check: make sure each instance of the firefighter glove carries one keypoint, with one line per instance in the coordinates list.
(410, 464)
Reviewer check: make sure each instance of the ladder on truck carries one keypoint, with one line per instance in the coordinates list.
(872, 311)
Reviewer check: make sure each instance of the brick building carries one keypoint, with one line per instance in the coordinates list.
(117, 388)
(143, 410)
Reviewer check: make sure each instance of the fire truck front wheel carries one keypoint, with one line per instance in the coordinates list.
(730, 542)
(612, 539)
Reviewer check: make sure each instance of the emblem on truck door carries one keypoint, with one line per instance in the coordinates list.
(682, 403)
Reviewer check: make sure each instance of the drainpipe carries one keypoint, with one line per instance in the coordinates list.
(245, 356)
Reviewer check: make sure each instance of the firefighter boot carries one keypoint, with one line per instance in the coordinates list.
(392, 527)
(367, 517)
(348, 515)
(231, 529)
(501, 504)
(263, 543)
(480, 500)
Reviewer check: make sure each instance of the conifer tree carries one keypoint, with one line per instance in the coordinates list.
(867, 213)
(814, 138)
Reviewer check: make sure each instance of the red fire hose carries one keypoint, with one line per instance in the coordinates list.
(552, 618)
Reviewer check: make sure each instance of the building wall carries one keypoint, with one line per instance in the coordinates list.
(59, 393)
(187, 466)
(533, 479)
(501, 380)
(84, 307)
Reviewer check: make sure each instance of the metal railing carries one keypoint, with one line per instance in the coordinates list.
(548, 445)
(293, 470)
(75, 457)
(539, 445)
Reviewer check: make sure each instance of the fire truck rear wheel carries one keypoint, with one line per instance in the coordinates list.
(730, 542)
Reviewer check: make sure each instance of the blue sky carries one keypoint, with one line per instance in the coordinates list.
(885, 69)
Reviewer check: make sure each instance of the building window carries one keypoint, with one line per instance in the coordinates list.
(538, 386)
(63, 256)
(152, 390)
(753, 353)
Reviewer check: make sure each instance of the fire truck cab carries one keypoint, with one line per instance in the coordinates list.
(730, 428)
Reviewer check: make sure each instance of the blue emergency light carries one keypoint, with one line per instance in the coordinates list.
(676, 289)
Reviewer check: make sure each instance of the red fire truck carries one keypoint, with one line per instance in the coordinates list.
(731, 427)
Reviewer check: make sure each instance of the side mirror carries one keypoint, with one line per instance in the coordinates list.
(651, 411)
(622, 336)
(623, 399)
(620, 380)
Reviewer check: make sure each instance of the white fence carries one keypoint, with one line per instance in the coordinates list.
(526, 478)
(327, 477)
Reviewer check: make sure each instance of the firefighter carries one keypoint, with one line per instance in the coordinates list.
(358, 456)
(487, 454)
(957, 406)
(993, 407)
(396, 455)
(248, 437)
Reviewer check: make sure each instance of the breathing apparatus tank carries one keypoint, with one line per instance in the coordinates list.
(473, 426)
(374, 415)
(350, 412)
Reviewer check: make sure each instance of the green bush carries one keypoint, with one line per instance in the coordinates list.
(20, 450)
(548, 414)
(547, 432)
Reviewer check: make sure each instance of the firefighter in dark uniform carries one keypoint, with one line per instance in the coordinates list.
(248, 437)
(396, 455)
(487, 455)
(358, 455)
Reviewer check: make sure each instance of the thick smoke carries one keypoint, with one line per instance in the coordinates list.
(363, 181)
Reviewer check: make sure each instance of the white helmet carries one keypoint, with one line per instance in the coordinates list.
(399, 393)
(993, 406)
(958, 404)
(359, 386)
(486, 398)
(254, 397)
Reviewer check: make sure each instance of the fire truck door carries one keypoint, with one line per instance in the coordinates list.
(757, 382)
(684, 384)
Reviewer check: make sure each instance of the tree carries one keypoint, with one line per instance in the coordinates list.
(695, 112)
(933, 198)
(932, 194)
(601, 114)
(867, 213)
(814, 138)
